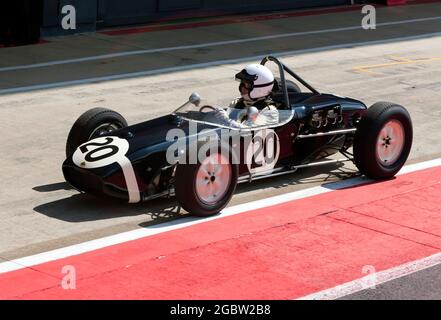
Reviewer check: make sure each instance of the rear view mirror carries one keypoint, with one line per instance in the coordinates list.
(195, 99)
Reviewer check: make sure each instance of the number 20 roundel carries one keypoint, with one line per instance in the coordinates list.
(100, 152)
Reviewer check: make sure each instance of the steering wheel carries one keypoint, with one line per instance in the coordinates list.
(207, 107)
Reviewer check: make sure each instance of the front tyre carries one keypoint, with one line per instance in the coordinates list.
(92, 124)
(383, 140)
(205, 188)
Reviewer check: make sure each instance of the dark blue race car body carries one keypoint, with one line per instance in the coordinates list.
(317, 125)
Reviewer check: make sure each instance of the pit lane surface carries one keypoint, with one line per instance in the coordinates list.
(278, 248)
(39, 212)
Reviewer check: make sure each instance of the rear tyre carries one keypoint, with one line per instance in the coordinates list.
(205, 188)
(92, 124)
(383, 140)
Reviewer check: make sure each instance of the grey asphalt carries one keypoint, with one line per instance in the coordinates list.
(40, 212)
(422, 285)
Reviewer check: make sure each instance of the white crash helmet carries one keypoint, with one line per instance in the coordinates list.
(261, 79)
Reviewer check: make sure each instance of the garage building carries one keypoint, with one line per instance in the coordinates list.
(24, 21)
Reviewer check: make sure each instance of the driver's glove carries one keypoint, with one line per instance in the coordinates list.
(221, 112)
(221, 116)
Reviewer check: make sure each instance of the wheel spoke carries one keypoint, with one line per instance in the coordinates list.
(388, 130)
(382, 134)
(216, 187)
(203, 171)
(211, 165)
(202, 182)
(210, 190)
(380, 144)
(205, 191)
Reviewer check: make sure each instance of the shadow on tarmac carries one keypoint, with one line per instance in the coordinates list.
(82, 207)
(53, 187)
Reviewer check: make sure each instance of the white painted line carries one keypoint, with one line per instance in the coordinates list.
(376, 279)
(92, 245)
(420, 166)
(208, 44)
(206, 64)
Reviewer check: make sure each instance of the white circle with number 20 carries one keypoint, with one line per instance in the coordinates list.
(264, 149)
(100, 152)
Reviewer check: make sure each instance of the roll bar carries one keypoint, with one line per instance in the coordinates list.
(282, 69)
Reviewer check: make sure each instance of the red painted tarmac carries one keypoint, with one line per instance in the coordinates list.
(283, 251)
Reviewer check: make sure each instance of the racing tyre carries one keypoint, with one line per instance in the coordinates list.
(92, 124)
(383, 140)
(205, 188)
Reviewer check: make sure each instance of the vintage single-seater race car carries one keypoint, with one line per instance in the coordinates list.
(190, 155)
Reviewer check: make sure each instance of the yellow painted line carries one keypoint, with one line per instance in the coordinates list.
(428, 60)
(397, 61)
(358, 69)
(400, 59)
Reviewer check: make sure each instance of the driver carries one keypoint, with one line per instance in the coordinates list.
(257, 108)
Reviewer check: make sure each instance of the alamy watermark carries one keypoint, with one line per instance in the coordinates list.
(69, 280)
(370, 280)
(69, 19)
(369, 21)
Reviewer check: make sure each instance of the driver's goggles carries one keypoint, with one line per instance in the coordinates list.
(246, 85)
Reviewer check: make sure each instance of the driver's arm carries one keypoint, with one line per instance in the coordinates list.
(223, 118)
(268, 116)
